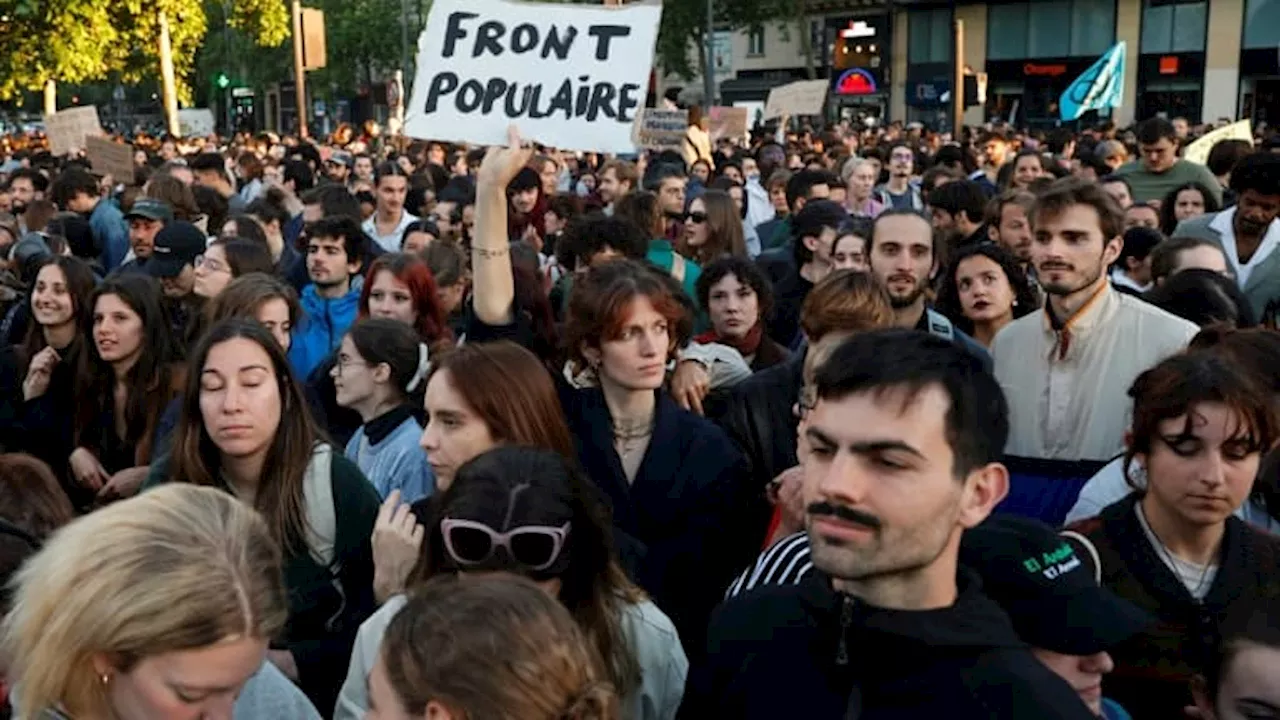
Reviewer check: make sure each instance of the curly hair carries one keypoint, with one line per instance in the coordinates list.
(948, 303)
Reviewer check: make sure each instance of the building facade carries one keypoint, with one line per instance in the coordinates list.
(1200, 59)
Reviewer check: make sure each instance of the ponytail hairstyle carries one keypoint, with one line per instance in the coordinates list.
(493, 647)
(391, 342)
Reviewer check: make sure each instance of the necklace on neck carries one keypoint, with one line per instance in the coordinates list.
(1168, 557)
(632, 435)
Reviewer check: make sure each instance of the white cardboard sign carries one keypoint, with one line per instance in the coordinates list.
(67, 129)
(196, 122)
(804, 97)
(570, 76)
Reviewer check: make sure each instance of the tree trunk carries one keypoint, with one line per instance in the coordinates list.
(806, 39)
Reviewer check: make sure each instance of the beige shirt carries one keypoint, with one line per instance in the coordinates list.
(1068, 400)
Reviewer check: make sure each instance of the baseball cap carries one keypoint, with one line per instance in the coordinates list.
(151, 209)
(342, 158)
(1049, 585)
(176, 246)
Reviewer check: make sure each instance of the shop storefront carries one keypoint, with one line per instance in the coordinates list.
(856, 54)
(1171, 85)
(1026, 92)
(927, 94)
(1260, 62)
(753, 86)
(1260, 86)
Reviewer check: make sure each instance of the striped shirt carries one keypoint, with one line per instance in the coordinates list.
(786, 562)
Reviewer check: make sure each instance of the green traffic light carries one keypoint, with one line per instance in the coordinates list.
(223, 81)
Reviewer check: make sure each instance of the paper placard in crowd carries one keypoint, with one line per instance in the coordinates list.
(660, 129)
(570, 76)
(728, 122)
(67, 129)
(1198, 151)
(804, 97)
(110, 158)
(196, 122)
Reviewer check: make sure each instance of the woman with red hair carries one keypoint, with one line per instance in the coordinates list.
(399, 287)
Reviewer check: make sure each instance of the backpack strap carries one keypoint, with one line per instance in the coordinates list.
(678, 267)
(939, 325)
(322, 519)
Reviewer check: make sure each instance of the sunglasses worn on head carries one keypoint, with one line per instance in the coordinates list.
(536, 547)
(696, 217)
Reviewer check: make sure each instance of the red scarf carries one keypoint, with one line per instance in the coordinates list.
(747, 346)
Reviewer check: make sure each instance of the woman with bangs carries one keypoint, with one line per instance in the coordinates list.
(1175, 548)
(673, 479)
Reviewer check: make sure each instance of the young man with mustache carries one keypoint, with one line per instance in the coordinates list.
(902, 448)
(1067, 369)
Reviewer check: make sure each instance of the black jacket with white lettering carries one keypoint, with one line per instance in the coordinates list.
(808, 651)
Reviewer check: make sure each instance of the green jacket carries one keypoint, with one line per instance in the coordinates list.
(663, 254)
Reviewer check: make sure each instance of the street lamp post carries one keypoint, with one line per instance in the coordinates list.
(709, 81)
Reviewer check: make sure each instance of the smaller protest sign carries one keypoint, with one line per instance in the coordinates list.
(110, 158)
(196, 122)
(67, 129)
(728, 122)
(804, 97)
(660, 130)
(1198, 151)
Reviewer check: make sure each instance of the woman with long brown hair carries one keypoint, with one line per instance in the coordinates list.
(529, 512)
(712, 229)
(131, 379)
(245, 429)
(38, 376)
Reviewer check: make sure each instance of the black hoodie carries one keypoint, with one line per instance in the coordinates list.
(808, 651)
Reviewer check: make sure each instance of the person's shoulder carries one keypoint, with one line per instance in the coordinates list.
(270, 694)
(644, 621)
(1021, 330)
(759, 614)
(1011, 682)
(349, 483)
(1130, 168)
(1150, 315)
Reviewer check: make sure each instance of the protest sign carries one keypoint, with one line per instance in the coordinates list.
(661, 130)
(1198, 151)
(804, 97)
(728, 122)
(110, 158)
(570, 76)
(67, 129)
(196, 122)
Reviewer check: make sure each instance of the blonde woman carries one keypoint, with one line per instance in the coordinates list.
(161, 606)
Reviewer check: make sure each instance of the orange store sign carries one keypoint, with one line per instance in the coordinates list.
(1044, 70)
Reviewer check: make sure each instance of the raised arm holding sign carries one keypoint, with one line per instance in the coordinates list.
(573, 76)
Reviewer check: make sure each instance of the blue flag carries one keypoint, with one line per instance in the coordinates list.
(1098, 88)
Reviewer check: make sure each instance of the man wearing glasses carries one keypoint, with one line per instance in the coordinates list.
(900, 193)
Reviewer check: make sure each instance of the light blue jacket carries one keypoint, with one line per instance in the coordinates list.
(321, 331)
(396, 463)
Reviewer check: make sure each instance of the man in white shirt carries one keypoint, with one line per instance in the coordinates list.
(1249, 233)
(387, 224)
(1066, 371)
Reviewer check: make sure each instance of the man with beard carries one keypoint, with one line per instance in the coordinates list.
(617, 179)
(904, 257)
(1007, 224)
(900, 455)
(335, 248)
(26, 186)
(1249, 232)
(1067, 370)
(146, 219)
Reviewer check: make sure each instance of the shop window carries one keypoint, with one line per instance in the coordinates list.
(929, 36)
(1050, 28)
(1170, 26)
(755, 41)
(1261, 31)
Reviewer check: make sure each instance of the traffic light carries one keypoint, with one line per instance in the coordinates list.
(223, 81)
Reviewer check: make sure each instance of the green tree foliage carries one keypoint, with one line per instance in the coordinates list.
(362, 41)
(79, 41)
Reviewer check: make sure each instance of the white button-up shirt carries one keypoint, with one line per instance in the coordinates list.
(1068, 389)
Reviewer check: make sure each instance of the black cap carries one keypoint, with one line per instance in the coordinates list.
(177, 245)
(150, 209)
(1049, 585)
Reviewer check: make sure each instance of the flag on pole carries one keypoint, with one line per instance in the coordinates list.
(1099, 87)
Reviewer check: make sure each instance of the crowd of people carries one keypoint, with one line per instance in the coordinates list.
(816, 423)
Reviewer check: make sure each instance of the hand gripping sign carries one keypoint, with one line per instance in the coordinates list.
(573, 76)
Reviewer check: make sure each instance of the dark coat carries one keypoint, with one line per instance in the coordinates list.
(1154, 669)
(683, 506)
(807, 651)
